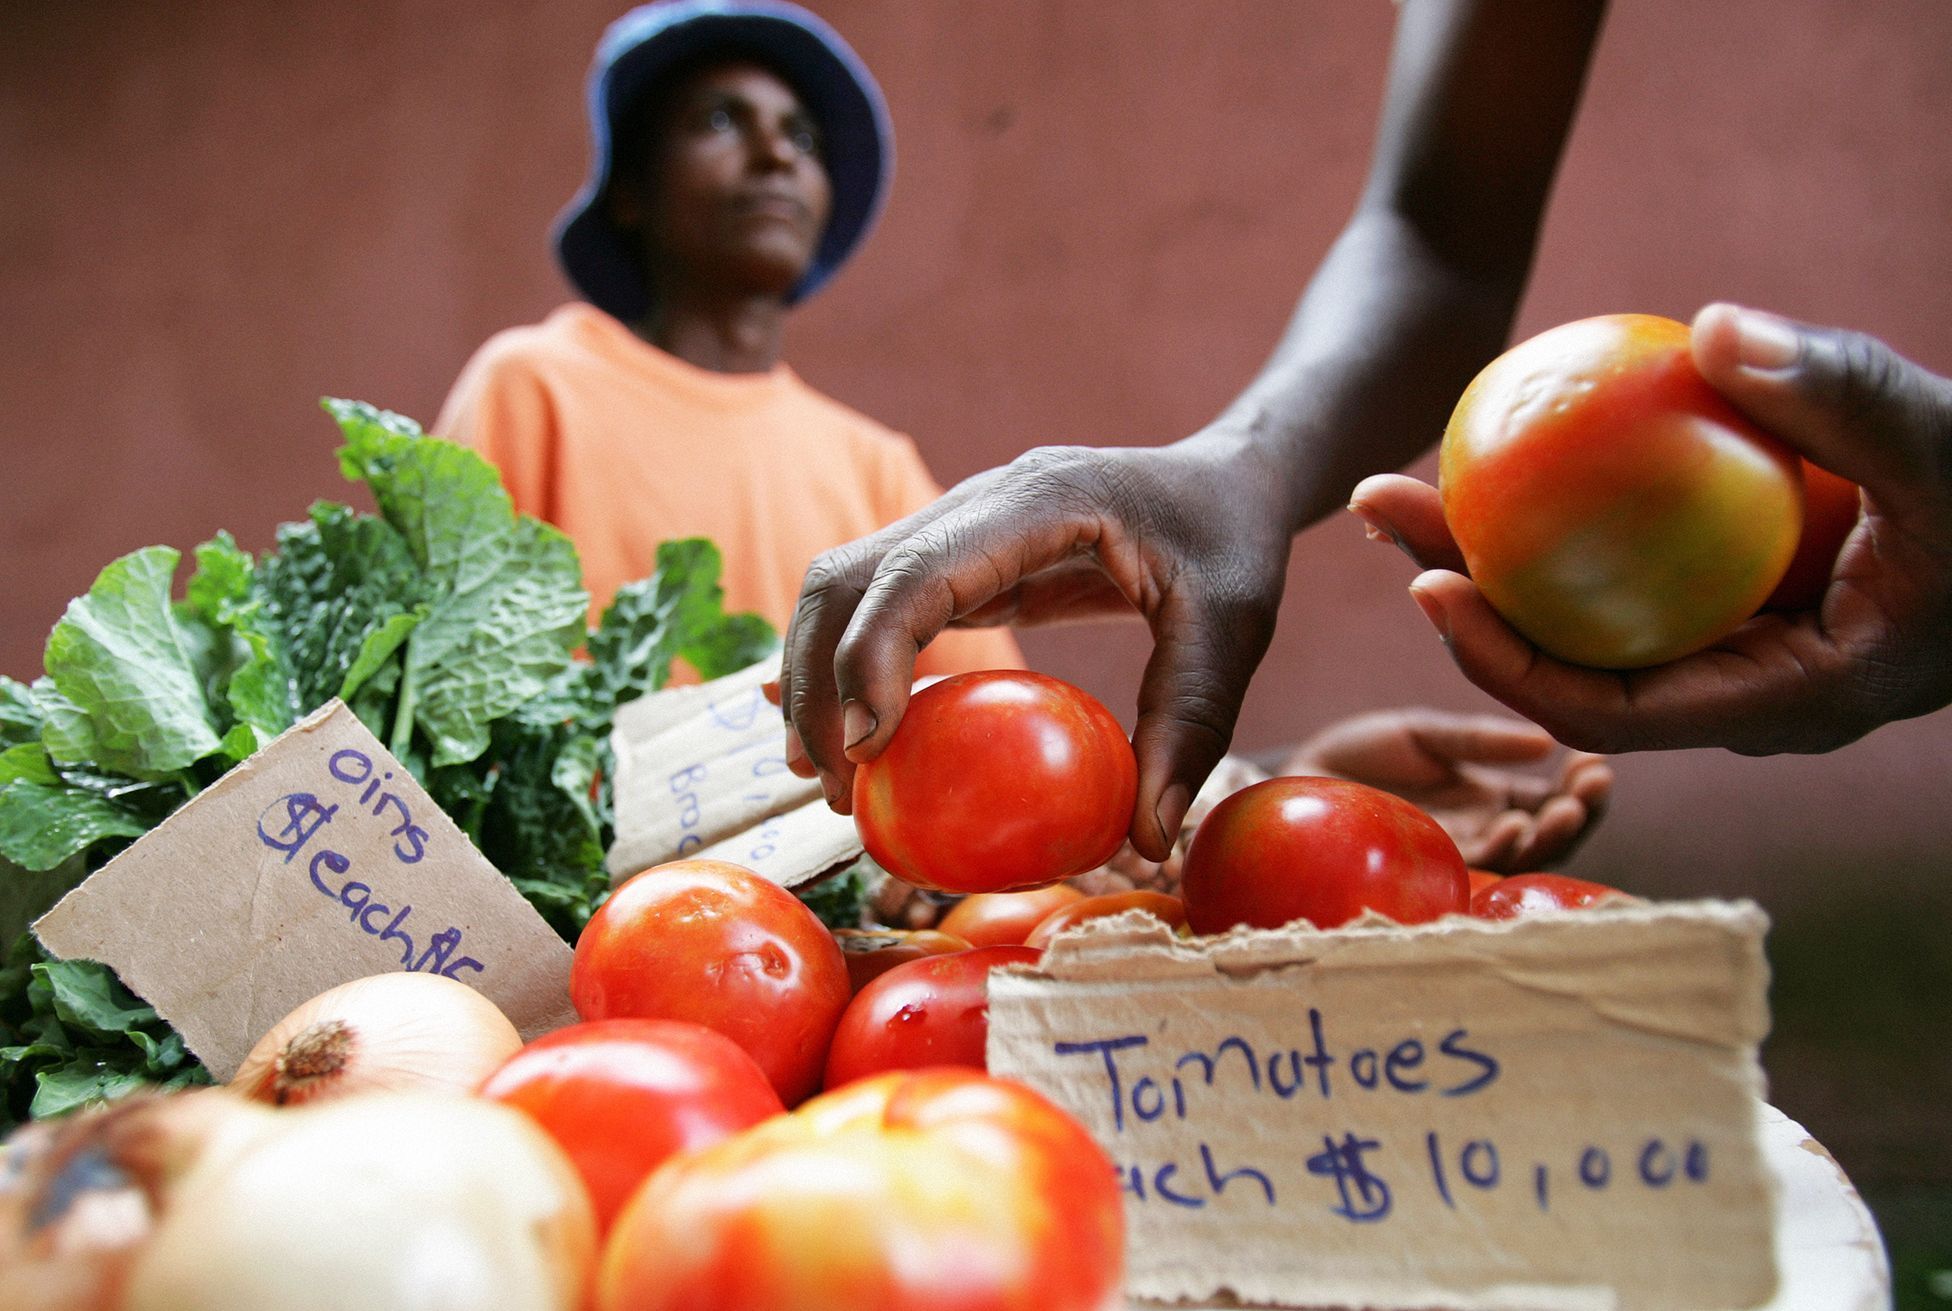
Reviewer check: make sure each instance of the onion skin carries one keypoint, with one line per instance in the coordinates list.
(79, 1195)
(399, 1032)
(386, 1202)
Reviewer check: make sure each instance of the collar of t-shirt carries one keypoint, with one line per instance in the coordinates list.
(612, 340)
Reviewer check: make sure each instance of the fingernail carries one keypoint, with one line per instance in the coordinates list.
(1764, 341)
(1432, 611)
(796, 752)
(857, 722)
(1374, 531)
(1172, 809)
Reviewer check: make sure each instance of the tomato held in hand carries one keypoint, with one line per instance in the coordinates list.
(1608, 502)
(621, 1096)
(1319, 849)
(716, 944)
(927, 1012)
(1005, 919)
(911, 1192)
(1527, 894)
(1830, 508)
(997, 780)
(871, 953)
(1159, 905)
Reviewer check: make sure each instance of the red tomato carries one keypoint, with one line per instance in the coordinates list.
(871, 953)
(1157, 904)
(1830, 508)
(911, 1192)
(620, 1096)
(1481, 879)
(1319, 849)
(716, 944)
(1609, 503)
(1005, 919)
(934, 1011)
(997, 780)
(1527, 894)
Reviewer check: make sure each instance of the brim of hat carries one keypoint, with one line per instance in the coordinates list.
(832, 82)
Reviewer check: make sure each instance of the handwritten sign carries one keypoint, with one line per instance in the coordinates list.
(318, 860)
(701, 771)
(1558, 1112)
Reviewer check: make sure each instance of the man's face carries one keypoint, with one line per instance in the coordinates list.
(737, 193)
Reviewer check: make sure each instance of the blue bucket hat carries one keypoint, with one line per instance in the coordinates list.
(647, 43)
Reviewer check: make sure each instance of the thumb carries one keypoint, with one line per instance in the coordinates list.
(1844, 400)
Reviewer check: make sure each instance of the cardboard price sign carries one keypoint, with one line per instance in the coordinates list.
(701, 772)
(317, 861)
(1550, 1113)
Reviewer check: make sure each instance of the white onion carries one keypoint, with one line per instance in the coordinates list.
(387, 1202)
(397, 1032)
(80, 1194)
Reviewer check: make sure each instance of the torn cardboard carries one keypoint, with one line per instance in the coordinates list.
(1557, 1112)
(701, 772)
(318, 860)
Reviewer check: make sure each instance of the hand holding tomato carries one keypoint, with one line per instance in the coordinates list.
(1459, 769)
(909, 1192)
(1873, 652)
(997, 780)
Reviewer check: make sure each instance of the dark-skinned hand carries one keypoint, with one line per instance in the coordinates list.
(1878, 647)
(1193, 537)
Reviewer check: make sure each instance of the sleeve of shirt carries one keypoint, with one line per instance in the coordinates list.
(906, 487)
(500, 408)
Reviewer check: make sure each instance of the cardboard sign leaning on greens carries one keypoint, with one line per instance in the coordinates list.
(446, 623)
(1463, 1115)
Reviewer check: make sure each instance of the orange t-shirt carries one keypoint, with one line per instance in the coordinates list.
(623, 446)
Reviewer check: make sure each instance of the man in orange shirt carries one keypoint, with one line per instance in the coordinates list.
(742, 152)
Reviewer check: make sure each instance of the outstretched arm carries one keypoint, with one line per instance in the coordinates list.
(1414, 296)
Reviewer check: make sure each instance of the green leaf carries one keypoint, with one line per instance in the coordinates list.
(131, 700)
(87, 995)
(83, 1082)
(340, 590)
(505, 601)
(26, 895)
(20, 717)
(28, 761)
(838, 901)
(677, 611)
(377, 648)
(42, 825)
(222, 580)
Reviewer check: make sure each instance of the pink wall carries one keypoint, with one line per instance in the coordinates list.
(1103, 214)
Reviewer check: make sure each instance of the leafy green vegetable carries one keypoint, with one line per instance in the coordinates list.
(447, 622)
(840, 899)
(129, 696)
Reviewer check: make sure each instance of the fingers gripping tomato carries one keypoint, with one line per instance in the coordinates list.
(997, 780)
(1320, 849)
(909, 1192)
(716, 944)
(1609, 503)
